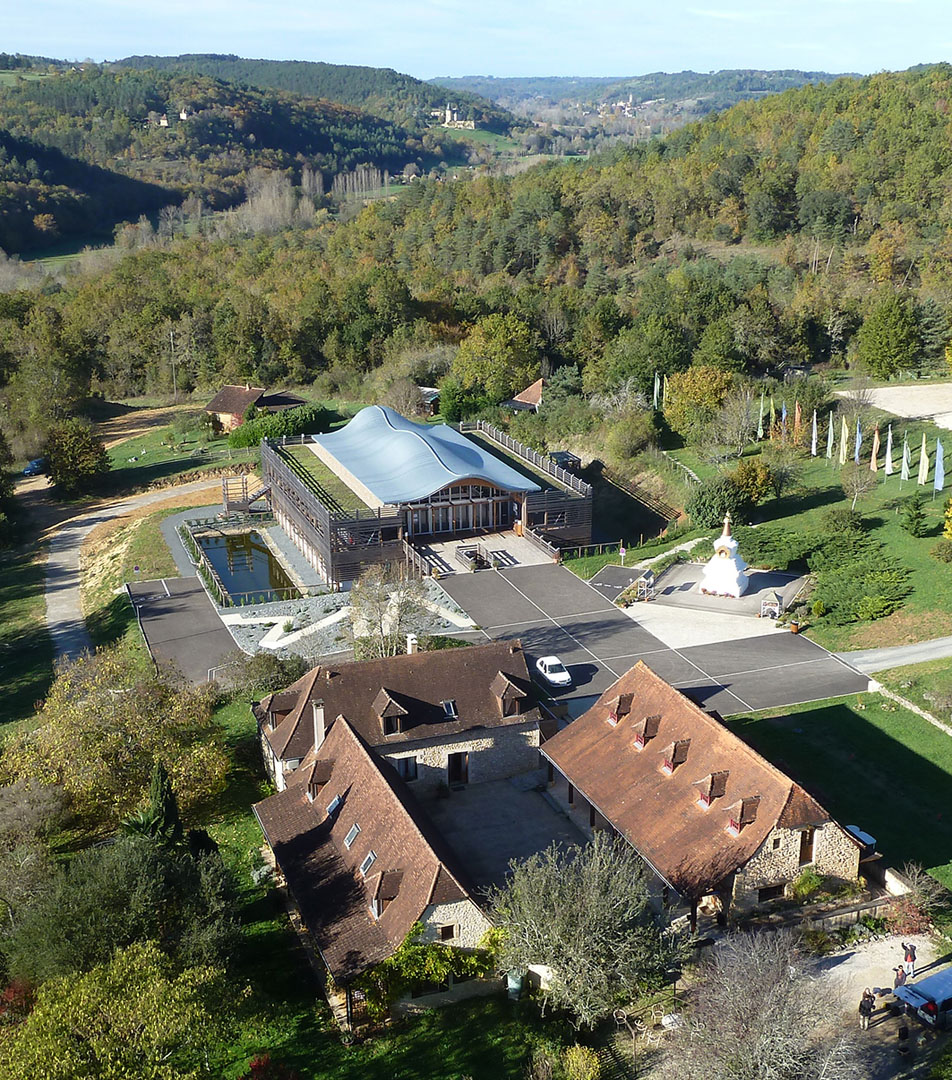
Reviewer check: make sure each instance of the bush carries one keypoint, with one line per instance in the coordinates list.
(808, 883)
(309, 419)
(943, 551)
(754, 480)
(76, 456)
(580, 1063)
(631, 433)
(870, 586)
(913, 518)
(715, 498)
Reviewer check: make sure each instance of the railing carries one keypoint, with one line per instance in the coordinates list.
(203, 567)
(417, 561)
(539, 461)
(639, 494)
(555, 553)
(263, 596)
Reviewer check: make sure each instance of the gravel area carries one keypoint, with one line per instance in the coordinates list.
(926, 400)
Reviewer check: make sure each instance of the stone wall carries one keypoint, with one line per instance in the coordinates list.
(469, 922)
(494, 754)
(777, 861)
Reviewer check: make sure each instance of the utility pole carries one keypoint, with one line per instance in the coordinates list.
(172, 354)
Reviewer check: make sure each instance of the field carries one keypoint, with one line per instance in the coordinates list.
(870, 763)
(927, 612)
(26, 652)
(927, 685)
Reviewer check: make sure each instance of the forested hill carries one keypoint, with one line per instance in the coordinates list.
(721, 88)
(128, 122)
(380, 91)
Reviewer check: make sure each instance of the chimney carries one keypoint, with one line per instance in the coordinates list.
(317, 707)
(413, 645)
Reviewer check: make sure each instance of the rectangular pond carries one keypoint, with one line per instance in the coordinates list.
(247, 567)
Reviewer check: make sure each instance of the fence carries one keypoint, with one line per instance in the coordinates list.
(554, 553)
(203, 566)
(539, 461)
(639, 494)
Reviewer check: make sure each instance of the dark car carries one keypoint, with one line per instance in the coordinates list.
(35, 467)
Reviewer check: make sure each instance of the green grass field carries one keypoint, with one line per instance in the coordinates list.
(147, 459)
(325, 481)
(927, 685)
(872, 764)
(26, 652)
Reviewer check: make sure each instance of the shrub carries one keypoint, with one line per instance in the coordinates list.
(580, 1063)
(713, 499)
(633, 432)
(754, 480)
(305, 418)
(870, 586)
(913, 518)
(943, 551)
(808, 883)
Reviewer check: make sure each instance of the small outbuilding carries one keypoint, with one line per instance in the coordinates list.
(231, 403)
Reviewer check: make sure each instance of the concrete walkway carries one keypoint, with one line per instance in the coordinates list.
(64, 610)
(870, 660)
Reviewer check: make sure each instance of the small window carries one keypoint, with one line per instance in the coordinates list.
(390, 725)
(333, 805)
(447, 933)
(375, 908)
(369, 860)
(351, 836)
(406, 768)
(450, 712)
(776, 843)
(771, 892)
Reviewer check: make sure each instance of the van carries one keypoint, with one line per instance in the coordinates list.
(930, 999)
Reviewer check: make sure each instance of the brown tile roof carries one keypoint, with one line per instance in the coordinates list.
(234, 400)
(651, 795)
(413, 867)
(411, 688)
(532, 395)
(279, 401)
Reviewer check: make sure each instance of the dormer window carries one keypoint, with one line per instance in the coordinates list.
(369, 860)
(645, 730)
(619, 708)
(333, 805)
(351, 836)
(712, 787)
(675, 755)
(390, 725)
(450, 711)
(742, 814)
(376, 908)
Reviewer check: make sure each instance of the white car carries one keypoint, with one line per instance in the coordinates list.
(553, 671)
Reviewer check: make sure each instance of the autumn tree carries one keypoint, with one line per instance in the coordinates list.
(497, 357)
(694, 398)
(137, 1015)
(757, 1014)
(857, 481)
(106, 722)
(586, 914)
(384, 607)
(77, 456)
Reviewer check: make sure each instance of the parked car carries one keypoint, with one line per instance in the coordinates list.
(930, 999)
(35, 467)
(553, 671)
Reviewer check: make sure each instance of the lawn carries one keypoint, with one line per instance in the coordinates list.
(927, 611)
(588, 566)
(870, 763)
(927, 685)
(331, 490)
(287, 1016)
(26, 652)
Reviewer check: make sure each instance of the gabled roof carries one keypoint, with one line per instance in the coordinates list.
(399, 461)
(656, 807)
(532, 395)
(234, 399)
(418, 684)
(413, 869)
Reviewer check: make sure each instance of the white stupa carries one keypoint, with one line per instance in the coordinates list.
(724, 574)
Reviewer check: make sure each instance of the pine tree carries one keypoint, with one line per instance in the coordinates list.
(164, 805)
(913, 516)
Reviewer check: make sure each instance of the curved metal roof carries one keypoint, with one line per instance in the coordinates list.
(400, 461)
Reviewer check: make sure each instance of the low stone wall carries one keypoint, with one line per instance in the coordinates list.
(473, 988)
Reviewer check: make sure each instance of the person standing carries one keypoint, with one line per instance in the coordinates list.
(900, 979)
(909, 960)
(866, 1005)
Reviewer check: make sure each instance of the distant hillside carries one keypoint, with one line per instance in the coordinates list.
(128, 122)
(380, 91)
(723, 87)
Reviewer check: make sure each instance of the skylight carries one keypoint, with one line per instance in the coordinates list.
(351, 837)
(450, 711)
(370, 859)
(333, 805)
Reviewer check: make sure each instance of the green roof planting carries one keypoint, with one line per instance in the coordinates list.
(401, 462)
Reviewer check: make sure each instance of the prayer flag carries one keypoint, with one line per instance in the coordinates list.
(874, 457)
(657, 388)
(904, 474)
(888, 466)
(760, 419)
(859, 441)
(813, 440)
(844, 435)
(829, 435)
(773, 415)
(939, 482)
(797, 421)
(923, 462)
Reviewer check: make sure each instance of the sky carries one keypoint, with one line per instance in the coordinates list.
(427, 38)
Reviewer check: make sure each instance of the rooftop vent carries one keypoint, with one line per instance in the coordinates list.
(675, 755)
(646, 730)
(619, 708)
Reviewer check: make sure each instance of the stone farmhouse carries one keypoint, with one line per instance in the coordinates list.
(441, 719)
(719, 826)
(230, 404)
(361, 861)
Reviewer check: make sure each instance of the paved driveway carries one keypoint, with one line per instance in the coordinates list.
(181, 625)
(553, 611)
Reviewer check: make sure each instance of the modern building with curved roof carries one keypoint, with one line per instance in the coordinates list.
(370, 491)
(420, 459)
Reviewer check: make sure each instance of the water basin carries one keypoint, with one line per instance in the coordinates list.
(247, 567)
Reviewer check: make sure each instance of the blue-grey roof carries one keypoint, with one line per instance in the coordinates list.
(400, 461)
